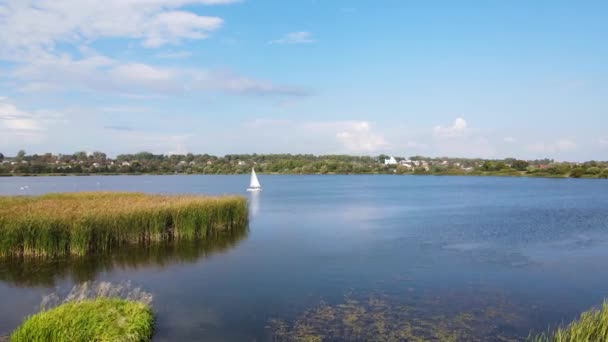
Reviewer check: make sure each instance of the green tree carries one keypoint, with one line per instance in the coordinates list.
(594, 170)
(80, 156)
(520, 165)
(577, 172)
(21, 154)
(1, 157)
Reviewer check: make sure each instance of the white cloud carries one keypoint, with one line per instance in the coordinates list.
(232, 83)
(174, 54)
(300, 37)
(12, 118)
(561, 145)
(357, 137)
(323, 137)
(20, 127)
(101, 73)
(603, 141)
(458, 129)
(509, 140)
(31, 27)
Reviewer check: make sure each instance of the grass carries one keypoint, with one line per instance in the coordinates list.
(592, 325)
(97, 222)
(100, 319)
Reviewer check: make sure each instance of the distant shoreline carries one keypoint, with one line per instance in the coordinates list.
(523, 175)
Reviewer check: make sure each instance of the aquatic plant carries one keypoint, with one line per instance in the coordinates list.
(377, 319)
(82, 223)
(91, 312)
(592, 325)
(100, 319)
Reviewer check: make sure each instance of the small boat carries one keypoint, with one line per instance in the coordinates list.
(254, 184)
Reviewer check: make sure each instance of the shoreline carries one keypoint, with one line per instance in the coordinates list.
(302, 174)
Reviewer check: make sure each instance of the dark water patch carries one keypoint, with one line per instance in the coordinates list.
(46, 271)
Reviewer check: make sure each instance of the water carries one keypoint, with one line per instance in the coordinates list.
(503, 256)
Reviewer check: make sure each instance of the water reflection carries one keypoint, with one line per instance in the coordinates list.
(28, 271)
(254, 203)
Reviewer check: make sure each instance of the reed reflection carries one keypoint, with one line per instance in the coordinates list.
(40, 271)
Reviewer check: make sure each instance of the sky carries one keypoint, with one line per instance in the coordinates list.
(489, 79)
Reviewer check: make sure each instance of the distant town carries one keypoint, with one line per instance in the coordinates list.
(83, 163)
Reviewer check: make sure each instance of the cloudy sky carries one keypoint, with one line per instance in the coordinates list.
(518, 78)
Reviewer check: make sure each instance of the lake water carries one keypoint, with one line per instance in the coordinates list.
(348, 257)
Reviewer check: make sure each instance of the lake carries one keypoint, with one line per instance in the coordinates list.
(348, 257)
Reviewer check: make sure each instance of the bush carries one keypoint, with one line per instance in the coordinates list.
(100, 319)
(577, 172)
(594, 170)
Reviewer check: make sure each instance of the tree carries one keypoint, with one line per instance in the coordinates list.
(1, 157)
(80, 156)
(21, 154)
(577, 172)
(520, 165)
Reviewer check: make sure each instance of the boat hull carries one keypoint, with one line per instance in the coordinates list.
(254, 189)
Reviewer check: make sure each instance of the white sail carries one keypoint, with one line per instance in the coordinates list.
(254, 183)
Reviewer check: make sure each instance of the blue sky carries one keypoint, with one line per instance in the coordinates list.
(459, 78)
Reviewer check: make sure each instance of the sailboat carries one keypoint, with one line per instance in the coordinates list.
(254, 184)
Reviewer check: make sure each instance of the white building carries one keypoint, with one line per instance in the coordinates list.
(390, 161)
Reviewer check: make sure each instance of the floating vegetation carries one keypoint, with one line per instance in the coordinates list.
(592, 325)
(43, 271)
(376, 319)
(96, 222)
(91, 312)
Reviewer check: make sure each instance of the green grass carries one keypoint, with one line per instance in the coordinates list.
(592, 325)
(82, 223)
(101, 319)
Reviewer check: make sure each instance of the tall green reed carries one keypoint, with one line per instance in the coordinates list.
(81, 223)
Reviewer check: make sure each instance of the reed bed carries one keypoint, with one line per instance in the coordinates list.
(592, 325)
(96, 222)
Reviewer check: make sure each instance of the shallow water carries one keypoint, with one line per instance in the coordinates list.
(470, 258)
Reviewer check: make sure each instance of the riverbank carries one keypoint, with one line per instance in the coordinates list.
(92, 222)
(470, 174)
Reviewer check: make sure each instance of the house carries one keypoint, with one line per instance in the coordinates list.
(125, 163)
(406, 163)
(390, 161)
(241, 163)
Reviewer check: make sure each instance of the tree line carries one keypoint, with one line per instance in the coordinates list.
(145, 162)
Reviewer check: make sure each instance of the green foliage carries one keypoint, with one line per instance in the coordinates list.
(149, 163)
(82, 223)
(591, 326)
(577, 172)
(100, 319)
(594, 170)
(520, 165)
